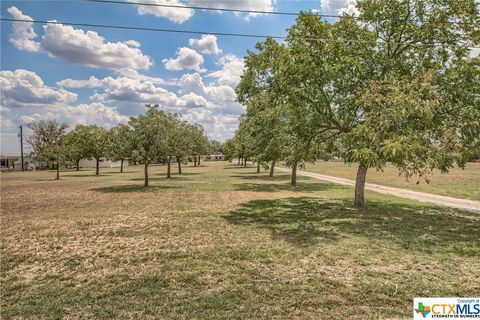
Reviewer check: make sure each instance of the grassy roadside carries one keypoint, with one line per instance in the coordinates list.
(222, 242)
(458, 183)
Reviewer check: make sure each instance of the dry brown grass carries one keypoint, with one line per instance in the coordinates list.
(222, 242)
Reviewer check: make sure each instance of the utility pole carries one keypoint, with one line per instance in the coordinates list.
(21, 144)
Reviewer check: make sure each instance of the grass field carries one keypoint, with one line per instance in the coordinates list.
(221, 242)
(458, 183)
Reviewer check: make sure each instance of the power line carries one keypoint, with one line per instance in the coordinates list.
(176, 6)
(79, 24)
(245, 35)
(207, 8)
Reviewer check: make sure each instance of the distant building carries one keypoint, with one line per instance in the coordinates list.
(216, 157)
(15, 163)
(7, 162)
(104, 163)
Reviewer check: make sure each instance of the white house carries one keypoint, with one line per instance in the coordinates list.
(104, 163)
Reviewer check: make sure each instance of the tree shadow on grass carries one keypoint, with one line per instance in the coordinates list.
(162, 177)
(84, 175)
(305, 221)
(259, 176)
(235, 166)
(188, 173)
(276, 187)
(132, 188)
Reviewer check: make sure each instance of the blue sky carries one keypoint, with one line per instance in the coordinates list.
(103, 76)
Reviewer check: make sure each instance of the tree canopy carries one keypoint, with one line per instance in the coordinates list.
(396, 84)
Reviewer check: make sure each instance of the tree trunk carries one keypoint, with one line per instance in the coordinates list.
(121, 166)
(272, 168)
(245, 162)
(146, 174)
(97, 169)
(293, 183)
(238, 161)
(179, 166)
(58, 171)
(195, 160)
(78, 164)
(199, 159)
(168, 168)
(360, 186)
(258, 167)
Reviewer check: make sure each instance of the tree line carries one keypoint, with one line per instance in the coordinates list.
(155, 136)
(397, 84)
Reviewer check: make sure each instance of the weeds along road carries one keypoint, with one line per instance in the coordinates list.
(464, 204)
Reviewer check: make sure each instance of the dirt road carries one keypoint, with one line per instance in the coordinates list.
(464, 204)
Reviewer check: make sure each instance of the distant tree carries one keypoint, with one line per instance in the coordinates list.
(76, 144)
(120, 144)
(229, 150)
(172, 137)
(96, 141)
(200, 143)
(183, 143)
(216, 146)
(279, 128)
(245, 143)
(47, 143)
(148, 134)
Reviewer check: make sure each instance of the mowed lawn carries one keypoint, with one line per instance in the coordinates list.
(458, 183)
(222, 242)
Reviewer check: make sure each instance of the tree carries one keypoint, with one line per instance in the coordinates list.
(279, 128)
(200, 144)
(183, 143)
(387, 84)
(229, 150)
(47, 142)
(216, 146)
(148, 134)
(120, 146)
(172, 137)
(76, 144)
(97, 141)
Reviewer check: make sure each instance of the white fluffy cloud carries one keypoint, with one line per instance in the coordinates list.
(77, 46)
(255, 5)
(191, 101)
(134, 90)
(181, 15)
(186, 59)
(232, 69)
(132, 43)
(90, 49)
(23, 35)
(174, 14)
(124, 89)
(94, 113)
(23, 88)
(206, 45)
(91, 82)
(221, 96)
(87, 114)
(338, 7)
(32, 99)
